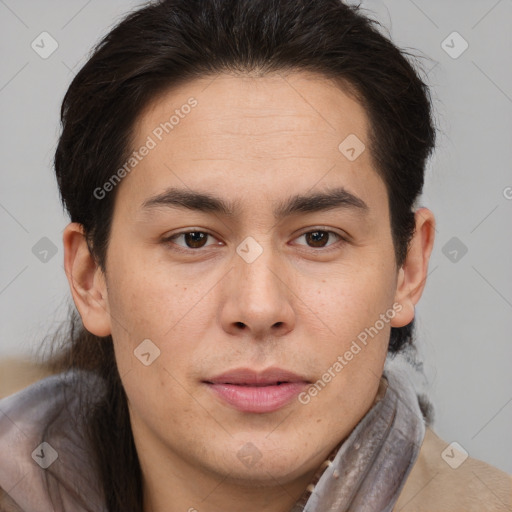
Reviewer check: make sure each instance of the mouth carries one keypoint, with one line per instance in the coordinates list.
(257, 392)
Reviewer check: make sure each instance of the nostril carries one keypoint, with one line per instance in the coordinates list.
(240, 324)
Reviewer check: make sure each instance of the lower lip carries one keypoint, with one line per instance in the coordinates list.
(258, 399)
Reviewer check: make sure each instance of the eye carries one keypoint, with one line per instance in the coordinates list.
(192, 239)
(318, 238)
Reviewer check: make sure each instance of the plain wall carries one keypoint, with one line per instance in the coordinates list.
(464, 316)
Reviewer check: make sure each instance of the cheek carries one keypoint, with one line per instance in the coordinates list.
(357, 308)
(167, 308)
(152, 335)
(152, 300)
(354, 298)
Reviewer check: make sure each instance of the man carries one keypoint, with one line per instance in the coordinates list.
(244, 254)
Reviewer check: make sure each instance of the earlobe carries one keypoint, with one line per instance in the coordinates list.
(86, 281)
(413, 273)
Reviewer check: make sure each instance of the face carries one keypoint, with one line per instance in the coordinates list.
(251, 249)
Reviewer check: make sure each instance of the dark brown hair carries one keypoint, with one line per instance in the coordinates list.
(169, 42)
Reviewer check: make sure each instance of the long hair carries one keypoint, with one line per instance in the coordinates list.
(169, 42)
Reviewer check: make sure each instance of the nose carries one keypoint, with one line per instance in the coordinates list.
(258, 302)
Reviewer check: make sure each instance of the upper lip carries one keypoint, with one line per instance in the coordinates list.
(248, 376)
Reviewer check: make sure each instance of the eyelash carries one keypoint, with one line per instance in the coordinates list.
(169, 241)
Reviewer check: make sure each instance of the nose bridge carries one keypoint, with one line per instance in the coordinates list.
(256, 264)
(260, 300)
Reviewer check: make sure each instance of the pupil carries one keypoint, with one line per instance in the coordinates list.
(194, 238)
(318, 236)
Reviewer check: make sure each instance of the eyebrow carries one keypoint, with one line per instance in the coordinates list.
(337, 198)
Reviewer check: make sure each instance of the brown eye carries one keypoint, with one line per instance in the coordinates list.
(191, 239)
(195, 239)
(319, 238)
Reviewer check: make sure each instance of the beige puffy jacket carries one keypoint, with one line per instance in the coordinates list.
(437, 483)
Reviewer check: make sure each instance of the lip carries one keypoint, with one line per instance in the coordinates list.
(257, 392)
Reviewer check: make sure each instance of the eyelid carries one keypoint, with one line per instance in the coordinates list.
(168, 239)
(327, 229)
(342, 238)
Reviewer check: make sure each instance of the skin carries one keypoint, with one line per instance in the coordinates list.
(298, 305)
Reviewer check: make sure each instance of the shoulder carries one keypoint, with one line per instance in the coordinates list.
(7, 504)
(18, 373)
(444, 479)
(43, 444)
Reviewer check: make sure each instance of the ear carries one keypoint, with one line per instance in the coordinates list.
(412, 274)
(86, 281)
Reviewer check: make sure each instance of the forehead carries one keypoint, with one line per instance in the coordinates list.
(254, 137)
(300, 105)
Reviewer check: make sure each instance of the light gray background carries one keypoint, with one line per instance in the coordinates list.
(464, 317)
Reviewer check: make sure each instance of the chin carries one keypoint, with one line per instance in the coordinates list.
(266, 475)
(261, 462)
